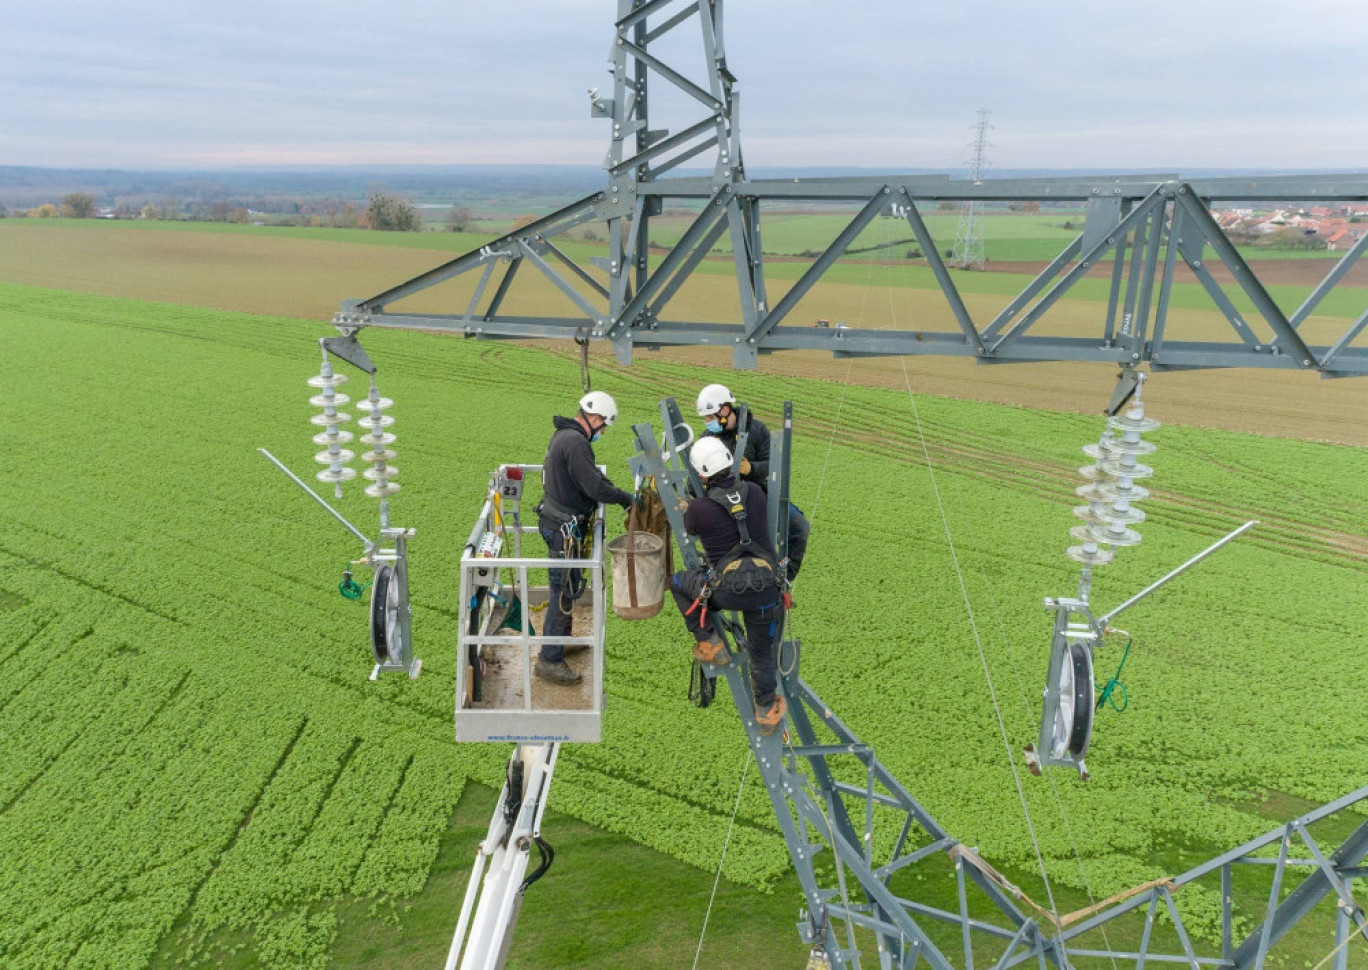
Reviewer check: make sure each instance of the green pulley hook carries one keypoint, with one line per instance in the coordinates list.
(1108, 695)
(350, 588)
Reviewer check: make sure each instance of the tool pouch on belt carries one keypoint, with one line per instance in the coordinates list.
(748, 566)
(557, 514)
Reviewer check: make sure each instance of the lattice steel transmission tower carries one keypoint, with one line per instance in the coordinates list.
(970, 250)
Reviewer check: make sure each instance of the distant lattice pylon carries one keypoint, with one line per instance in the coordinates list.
(970, 250)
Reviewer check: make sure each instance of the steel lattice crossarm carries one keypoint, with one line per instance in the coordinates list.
(1138, 228)
(623, 297)
(831, 794)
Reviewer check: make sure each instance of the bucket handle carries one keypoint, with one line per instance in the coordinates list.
(631, 555)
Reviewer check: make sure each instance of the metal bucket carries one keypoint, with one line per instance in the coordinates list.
(638, 574)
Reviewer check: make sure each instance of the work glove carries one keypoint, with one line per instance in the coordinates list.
(745, 466)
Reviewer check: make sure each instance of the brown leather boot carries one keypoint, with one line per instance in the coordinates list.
(557, 673)
(770, 718)
(712, 652)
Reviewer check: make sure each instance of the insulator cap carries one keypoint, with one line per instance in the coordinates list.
(338, 437)
(1115, 535)
(327, 380)
(1121, 446)
(1091, 557)
(1118, 468)
(1115, 490)
(323, 400)
(337, 475)
(1130, 421)
(328, 458)
(324, 420)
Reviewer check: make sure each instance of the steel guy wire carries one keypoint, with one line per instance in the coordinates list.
(1021, 687)
(979, 558)
(845, 386)
(745, 767)
(1025, 703)
(1359, 932)
(978, 642)
(823, 805)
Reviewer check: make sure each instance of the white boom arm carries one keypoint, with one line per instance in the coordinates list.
(514, 829)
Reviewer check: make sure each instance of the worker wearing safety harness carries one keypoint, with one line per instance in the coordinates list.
(572, 487)
(743, 574)
(727, 421)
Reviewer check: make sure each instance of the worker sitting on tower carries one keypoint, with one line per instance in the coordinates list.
(572, 488)
(726, 421)
(730, 520)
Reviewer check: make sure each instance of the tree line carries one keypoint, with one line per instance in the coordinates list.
(382, 211)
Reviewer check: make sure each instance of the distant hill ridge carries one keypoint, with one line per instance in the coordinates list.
(21, 185)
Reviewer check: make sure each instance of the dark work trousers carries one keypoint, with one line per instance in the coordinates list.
(798, 531)
(566, 587)
(763, 615)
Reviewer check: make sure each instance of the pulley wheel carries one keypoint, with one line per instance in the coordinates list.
(1074, 715)
(384, 616)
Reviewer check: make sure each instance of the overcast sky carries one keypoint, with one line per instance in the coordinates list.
(1164, 85)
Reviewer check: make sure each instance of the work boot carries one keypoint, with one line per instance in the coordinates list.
(768, 719)
(712, 652)
(573, 648)
(558, 673)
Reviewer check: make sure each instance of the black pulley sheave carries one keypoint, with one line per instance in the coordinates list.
(384, 618)
(1074, 718)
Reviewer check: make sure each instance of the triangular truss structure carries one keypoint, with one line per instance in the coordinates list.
(830, 792)
(1140, 227)
(851, 826)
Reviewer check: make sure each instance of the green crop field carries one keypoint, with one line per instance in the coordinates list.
(194, 767)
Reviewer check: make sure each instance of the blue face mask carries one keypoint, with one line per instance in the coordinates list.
(714, 426)
(596, 436)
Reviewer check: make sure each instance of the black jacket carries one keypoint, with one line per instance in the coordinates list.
(715, 527)
(569, 475)
(757, 449)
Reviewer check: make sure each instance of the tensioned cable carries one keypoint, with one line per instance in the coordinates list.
(745, 767)
(1021, 687)
(1359, 932)
(978, 641)
(792, 632)
(845, 386)
(1025, 703)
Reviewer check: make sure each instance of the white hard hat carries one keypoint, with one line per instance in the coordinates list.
(711, 399)
(709, 457)
(597, 402)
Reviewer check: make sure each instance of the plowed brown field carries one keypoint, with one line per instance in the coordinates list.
(306, 278)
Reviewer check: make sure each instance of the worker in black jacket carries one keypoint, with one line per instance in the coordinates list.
(731, 520)
(572, 487)
(724, 421)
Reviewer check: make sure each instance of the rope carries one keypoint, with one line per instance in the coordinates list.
(584, 363)
(831, 837)
(978, 641)
(1016, 673)
(1107, 695)
(840, 406)
(1026, 708)
(745, 767)
(1361, 931)
(350, 588)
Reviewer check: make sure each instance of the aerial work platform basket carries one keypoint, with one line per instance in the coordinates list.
(503, 592)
